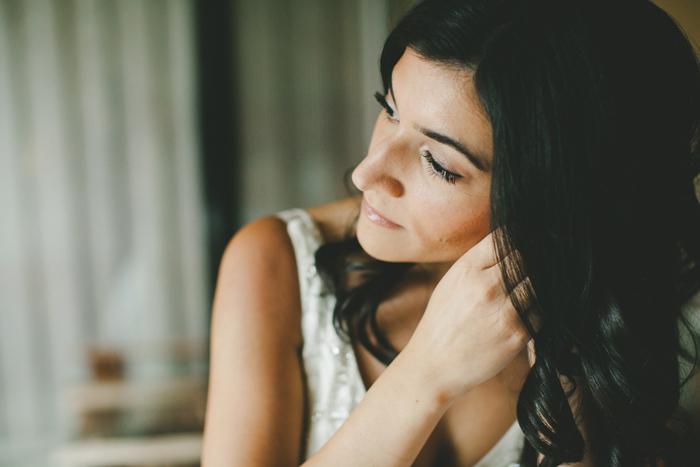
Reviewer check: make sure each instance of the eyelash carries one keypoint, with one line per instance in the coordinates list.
(381, 98)
(435, 168)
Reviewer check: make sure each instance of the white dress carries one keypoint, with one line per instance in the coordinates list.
(333, 382)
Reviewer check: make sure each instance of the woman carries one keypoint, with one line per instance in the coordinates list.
(531, 175)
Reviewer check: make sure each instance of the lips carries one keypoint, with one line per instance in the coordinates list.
(374, 216)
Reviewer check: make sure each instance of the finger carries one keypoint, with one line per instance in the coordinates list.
(513, 266)
(483, 254)
(499, 248)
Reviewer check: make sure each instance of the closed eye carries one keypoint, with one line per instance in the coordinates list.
(438, 170)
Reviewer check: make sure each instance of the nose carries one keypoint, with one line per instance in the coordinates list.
(380, 169)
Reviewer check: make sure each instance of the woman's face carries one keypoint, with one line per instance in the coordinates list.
(428, 169)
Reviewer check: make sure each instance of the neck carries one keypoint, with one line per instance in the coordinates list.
(433, 272)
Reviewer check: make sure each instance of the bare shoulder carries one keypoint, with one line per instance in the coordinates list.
(336, 217)
(258, 279)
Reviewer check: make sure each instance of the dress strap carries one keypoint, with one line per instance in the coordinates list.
(333, 382)
(306, 238)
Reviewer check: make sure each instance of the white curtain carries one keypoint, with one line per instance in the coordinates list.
(101, 210)
(306, 74)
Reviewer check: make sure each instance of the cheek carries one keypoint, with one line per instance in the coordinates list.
(449, 232)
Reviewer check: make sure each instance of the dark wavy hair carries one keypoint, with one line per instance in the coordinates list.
(595, 109)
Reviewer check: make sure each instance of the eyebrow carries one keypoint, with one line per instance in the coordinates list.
(480, 161)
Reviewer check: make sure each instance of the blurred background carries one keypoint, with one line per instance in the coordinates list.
(136, 136)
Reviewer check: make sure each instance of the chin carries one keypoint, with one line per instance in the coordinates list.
(384, 249)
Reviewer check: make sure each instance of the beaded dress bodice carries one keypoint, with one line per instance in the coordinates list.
(333, 382)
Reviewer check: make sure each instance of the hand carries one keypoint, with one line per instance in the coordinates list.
(470, 330)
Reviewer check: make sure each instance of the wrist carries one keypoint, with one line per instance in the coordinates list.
(428, 379)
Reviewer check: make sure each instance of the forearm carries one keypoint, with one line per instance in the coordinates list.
(392, 422)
